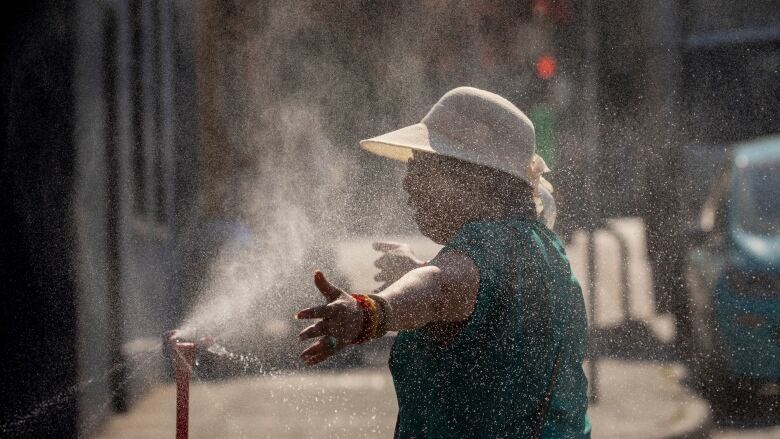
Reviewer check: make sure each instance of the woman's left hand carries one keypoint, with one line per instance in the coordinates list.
(341, 322)
(397, 260)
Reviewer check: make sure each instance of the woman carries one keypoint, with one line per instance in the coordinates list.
(492, 330)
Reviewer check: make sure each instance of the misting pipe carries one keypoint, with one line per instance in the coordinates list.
(184, 354)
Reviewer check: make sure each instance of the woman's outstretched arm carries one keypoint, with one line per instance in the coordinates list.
(444, 290)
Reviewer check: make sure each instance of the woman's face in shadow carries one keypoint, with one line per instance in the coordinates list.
(440, 202)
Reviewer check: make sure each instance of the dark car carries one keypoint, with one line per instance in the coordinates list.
(733, 278)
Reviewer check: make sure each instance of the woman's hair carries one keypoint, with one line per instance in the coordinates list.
(502, 194)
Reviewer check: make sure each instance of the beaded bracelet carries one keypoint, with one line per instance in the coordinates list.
(370, 318)
(386, 315)
(374, 318)
(375, 323)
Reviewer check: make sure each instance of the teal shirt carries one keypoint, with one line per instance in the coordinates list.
(487, 377)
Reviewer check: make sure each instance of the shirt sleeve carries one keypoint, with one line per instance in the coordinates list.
(491, 249)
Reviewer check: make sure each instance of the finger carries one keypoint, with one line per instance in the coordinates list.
(320, 351)
(317, 312)
(384, 276)
(315, 360)
(385, 246)
(330, 292)
(311, 361)
(318, 348)
(389, 276)
(315, 330)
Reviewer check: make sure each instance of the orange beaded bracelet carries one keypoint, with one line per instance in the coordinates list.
(370, 318)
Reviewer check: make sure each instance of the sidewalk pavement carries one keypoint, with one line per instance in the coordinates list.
(637, 400)
(646, 400)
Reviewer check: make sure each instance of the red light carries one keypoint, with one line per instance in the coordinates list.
(545, 66)
(541, 7)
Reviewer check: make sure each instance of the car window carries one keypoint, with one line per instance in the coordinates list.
(756, 200)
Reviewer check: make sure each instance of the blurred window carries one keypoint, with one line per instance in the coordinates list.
(708, 16)
(113, 209)
(136, 87)
(151, 67)
(757, 204)
(732, 92)
(158, 126)
(111, 128)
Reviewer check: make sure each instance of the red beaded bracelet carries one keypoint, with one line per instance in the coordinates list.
(370, 318)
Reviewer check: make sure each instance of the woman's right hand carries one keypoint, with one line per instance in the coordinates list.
(397, 260)
(341, 322)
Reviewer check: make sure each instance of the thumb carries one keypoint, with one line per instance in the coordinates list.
(330, 292)
(385, 246)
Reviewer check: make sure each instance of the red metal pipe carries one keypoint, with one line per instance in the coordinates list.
(184, 354)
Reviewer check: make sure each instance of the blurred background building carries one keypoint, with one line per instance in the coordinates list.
(99, 153)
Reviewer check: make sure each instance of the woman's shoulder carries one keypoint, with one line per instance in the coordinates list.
(516, 227)
(496, 237)
(479, 233)
(527, 236)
